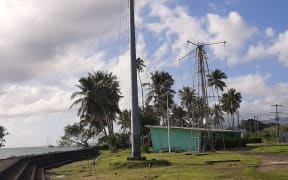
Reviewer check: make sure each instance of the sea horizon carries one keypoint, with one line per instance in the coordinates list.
(12, 152)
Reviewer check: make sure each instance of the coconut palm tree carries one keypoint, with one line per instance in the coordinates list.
(178, 116)
(231, 103)
(140, 68)
(188, 101)
(217, 115)
(98, 100)
(125, 120)
(187, 96)
(215, 79)
(160, 92)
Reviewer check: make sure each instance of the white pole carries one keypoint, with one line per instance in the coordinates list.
(169, 147)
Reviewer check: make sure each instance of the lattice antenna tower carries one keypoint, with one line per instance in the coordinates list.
(201, 67)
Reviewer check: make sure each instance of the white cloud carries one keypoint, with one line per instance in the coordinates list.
(161, 52)
(33, 33)
(251, 84)
(32, 100)
(279, 48)
(256, 52)
(232, 29)
(257, 95)
(179, 26)
(176, 21)
(269, 32)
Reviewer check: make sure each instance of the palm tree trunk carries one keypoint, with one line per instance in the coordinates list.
(142, 93)
(105, 132)
(233, 125)
(109, 122)
(228, 120)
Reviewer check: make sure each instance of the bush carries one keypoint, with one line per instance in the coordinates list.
(122, 140)
(145, 148)
(115, 141)
(235, 142)
(254, 140)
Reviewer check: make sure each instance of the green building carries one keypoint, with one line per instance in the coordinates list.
(188, 139)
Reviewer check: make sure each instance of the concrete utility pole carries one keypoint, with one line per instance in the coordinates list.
(135, 124)
(276, 118)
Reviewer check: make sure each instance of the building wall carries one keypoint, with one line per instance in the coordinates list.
(185, 139)
(180, 139)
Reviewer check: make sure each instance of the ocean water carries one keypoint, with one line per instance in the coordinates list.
(13, 152)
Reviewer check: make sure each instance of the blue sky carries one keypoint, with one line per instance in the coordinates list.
(46, 47)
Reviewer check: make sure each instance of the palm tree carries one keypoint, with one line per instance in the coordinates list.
(178, 116)
(188, 101)
(217, 115)
(231, 103)
(160, 92)
(98, 100)
(140, 68)
(215, 79)
(125, 120)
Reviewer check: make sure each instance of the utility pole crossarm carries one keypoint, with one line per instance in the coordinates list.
(276, 110)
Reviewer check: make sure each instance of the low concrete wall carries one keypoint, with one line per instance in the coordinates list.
(33, 167)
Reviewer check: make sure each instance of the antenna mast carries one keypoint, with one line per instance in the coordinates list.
(203, 119)
(202, 69)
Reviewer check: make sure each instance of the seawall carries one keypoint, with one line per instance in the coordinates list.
(33, 167)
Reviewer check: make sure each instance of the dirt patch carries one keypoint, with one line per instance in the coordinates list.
(270, 162)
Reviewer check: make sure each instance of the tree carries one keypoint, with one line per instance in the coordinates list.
(140, 68)
(252, 125)
(178, 117)
(188, 101)
(159, 90)
(231, 103)
(125, 120)
(217, 116)
(147, 117)
(3, 133)
(98, 99)
(78, 134)
(215, 79)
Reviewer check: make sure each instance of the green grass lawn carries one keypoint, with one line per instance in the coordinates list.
(273, 148)
(165, 166)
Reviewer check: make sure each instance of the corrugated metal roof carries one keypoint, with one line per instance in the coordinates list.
(189, 128)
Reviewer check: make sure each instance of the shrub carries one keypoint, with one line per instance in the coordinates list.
(254, 140)
(235, 142)
(115, 141)
(145, 148)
